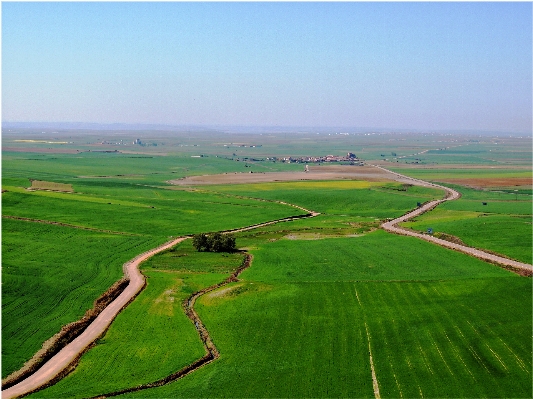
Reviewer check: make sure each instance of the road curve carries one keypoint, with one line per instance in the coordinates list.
(391, 226)
(53, 368)
(71, 352)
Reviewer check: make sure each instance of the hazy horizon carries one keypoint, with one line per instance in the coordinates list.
(72, 127)
(382, 66)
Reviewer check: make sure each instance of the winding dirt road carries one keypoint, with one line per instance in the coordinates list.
(53, 369)
(392, 226)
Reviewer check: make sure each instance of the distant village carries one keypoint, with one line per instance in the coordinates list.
(349, 158)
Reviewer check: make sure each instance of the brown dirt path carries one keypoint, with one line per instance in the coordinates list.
(63, 362)
(392, 227)
(54, 368)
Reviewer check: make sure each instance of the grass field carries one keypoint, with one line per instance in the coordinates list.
(50, 276)
(483, 219)
(139, 350)
(320, 293)
(298, 327)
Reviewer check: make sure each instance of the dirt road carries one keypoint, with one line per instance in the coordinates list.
(70, 353)
(391, 226)
(56, 366)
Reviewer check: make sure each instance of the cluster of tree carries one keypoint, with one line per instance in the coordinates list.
(216, 242)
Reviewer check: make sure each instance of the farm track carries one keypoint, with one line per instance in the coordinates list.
(392, 227)
(67, 358)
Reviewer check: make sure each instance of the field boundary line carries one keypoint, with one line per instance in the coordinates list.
(392, 227)
(67, 225)
(375, 384)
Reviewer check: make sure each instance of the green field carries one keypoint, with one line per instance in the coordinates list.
(143, 349)
(50, 276)
(321, 292)
(299, 330)
(371, 200)
(53, 273)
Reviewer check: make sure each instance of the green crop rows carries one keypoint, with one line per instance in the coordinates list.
(51, 275)
(303, 334)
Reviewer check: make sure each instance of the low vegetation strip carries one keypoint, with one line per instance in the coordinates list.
(65, 225)
(391, 226)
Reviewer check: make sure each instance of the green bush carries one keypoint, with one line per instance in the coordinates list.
(216, 242)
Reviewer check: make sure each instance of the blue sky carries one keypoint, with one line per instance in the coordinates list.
(424, 66)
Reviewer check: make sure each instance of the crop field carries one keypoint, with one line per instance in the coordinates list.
(171, 213)
(139, 350)
(126, 355)
(350, 198)
(328, 301)
(92, 238)
(302, 328)
(51, 275)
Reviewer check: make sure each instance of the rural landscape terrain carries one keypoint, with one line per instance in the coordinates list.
(330, 293)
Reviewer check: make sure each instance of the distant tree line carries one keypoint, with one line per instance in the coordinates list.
(215, 242)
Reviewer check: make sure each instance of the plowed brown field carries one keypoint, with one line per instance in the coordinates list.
(329, 172)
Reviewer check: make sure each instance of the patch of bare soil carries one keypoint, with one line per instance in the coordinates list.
(329, 172)
(491, 182)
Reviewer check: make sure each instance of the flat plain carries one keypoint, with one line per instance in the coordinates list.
(320, 294)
